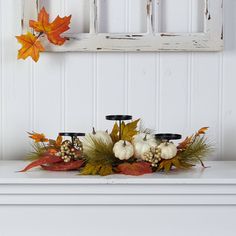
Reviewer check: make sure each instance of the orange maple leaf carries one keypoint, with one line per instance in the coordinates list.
(38, 137)
(31, 46)
(59, 141)
(52, 30)
(202, 130)
(191, 139)
(135, 169)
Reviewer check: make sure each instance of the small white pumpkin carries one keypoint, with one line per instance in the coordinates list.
(168, 150)
(143, 143)
(123, 150)
(102, 135)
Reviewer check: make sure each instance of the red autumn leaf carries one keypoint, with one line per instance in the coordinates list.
(31, 46)
(185, 143)
(52, 30)
(47, 159)
(135, 169)
(73, 165)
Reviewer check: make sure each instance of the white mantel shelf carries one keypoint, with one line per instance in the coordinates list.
(212, 186)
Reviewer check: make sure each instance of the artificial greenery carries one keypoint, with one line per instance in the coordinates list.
(96, 151)
(99, 157)
(38, 151)
(196, 151)
(126, 150)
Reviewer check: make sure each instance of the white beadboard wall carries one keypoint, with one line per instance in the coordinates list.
(171, 92)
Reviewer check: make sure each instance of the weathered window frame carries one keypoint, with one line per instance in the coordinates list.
(209, 40)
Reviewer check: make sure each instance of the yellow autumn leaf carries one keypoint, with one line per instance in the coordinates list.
(177, 163)
(129, 130)
(166, 165)
(106, 170)
(98, 169)
(115, 133)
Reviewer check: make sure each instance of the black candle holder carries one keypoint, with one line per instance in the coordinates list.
(168, 136)
(73, 136)
(119, 118)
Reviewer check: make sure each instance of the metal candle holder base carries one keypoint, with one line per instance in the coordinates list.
(168, 136)
(73, 136)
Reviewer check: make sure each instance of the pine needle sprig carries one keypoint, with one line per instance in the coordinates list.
(98, 152)
(38, 150)
(99, 157)
(197, 151)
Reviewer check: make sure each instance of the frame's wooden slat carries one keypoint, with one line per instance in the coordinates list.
(150, 20)
(93, 16)
(157, 15)
(206, 15)
(213, 19)
(30, 11)
(210, 40)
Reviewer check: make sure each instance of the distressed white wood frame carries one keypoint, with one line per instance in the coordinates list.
(211, 39)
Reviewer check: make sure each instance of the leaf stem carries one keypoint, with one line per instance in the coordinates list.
(40, 34)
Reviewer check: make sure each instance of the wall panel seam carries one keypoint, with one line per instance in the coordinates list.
(190, 90)
(63, 79)
(220, 114)
(126, 60)
(95, 90)
(32, 96)
(63, 93)
(158, 71)
(159, 84)
(190, 72)
(1, 81)
(126, 82)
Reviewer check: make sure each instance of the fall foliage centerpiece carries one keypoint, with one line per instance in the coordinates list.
(128, 149)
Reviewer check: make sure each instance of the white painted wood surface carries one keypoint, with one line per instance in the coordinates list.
(211, 39)
(195, 202)
(171, 92)
(198, 186)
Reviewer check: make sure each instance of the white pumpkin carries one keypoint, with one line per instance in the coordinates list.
(102, 135)
(98, 135)
(123, 150)
(168, 150)
(143, 143)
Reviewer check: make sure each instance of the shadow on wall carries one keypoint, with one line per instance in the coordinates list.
(229, 122)
(230, 25)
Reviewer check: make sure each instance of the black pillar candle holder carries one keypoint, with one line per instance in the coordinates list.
(168, 136)
(73, 136)
(119, 118)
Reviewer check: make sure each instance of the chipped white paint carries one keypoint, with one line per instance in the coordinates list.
(209, 40)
